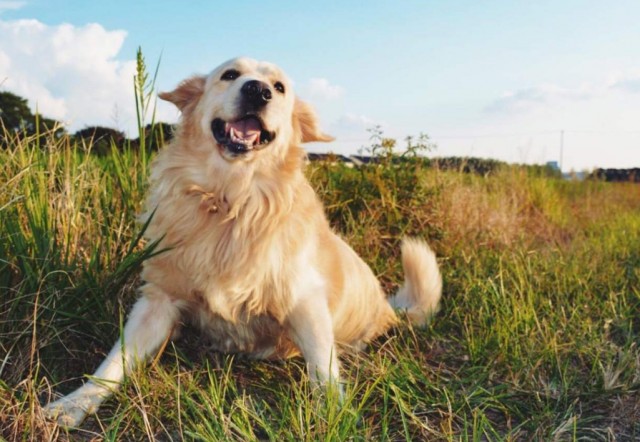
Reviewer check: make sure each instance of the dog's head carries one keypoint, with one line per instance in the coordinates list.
(244, 108)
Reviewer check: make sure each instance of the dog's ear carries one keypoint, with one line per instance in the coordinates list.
(186, 93)
(305, 122)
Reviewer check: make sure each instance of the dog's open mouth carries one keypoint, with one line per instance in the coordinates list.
(241, 136)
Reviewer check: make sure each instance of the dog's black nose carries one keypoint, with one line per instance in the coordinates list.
(256, 93)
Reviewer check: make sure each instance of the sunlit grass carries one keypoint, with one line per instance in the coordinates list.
(537, 338)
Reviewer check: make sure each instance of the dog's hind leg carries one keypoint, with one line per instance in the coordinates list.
(151, 320)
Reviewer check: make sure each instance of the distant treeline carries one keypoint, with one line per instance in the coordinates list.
(483, 166)
(616, 175)
(479, 166)
(18, 122)
(101, 139)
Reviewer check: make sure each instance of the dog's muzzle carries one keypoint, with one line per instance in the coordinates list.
(241, 136)
(247, 132)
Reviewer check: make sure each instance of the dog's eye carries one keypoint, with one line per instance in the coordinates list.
(279, 87)
(230, 75)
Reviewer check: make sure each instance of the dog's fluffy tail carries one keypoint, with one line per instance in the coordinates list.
(422, 289)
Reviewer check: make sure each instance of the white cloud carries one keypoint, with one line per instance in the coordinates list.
(629, 82)
(11, 5)
(530, 98)
(69, 73)
(548, 96)
(322, 89)
(353, 123)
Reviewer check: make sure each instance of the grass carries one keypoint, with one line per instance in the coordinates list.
(537, 338)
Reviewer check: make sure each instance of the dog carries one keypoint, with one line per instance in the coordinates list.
(249, 252)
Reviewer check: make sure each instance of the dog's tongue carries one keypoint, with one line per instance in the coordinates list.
(247, 130)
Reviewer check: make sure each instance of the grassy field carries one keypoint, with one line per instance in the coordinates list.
(537, 338)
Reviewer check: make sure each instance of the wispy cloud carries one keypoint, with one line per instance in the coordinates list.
(353, 129)
(627, 83)
(530, 98)
(11, 5)
(550, 95)
(322, 89)
(353, 123)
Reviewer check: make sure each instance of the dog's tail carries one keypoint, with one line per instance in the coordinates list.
(422, 289)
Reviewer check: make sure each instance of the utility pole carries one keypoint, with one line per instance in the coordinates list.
(561, 148)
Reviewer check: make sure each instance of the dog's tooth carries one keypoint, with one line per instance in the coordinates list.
(236, 139)
(234, 135)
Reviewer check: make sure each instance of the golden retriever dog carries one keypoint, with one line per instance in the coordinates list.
(250, 254)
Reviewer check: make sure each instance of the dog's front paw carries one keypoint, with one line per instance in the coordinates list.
(71, 410)
(65, 412)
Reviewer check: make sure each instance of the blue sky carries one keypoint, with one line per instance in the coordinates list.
(492, 78)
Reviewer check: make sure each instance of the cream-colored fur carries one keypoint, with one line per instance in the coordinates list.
(250, 254)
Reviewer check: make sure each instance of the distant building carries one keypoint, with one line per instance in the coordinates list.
(553, 165)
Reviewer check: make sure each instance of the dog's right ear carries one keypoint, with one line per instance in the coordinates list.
(188, 92)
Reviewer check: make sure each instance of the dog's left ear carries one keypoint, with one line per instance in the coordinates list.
(188, 92)
(305, 122)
